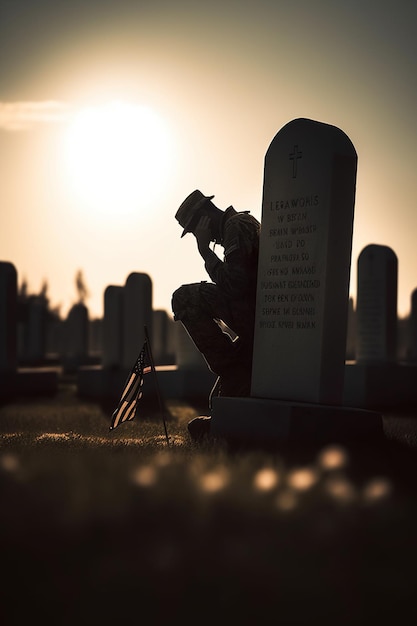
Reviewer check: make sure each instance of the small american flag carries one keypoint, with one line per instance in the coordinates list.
(132, 391)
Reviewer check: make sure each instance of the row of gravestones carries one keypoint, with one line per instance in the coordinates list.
(128, 311)
(372, 328)
(13, 380)
(116, 339)
(33, 344)
(128, 308)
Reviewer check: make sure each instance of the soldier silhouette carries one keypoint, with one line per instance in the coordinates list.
(219, 316)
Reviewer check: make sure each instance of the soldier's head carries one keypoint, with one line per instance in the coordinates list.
(194, 206)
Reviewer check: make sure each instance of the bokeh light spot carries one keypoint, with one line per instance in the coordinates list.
(377, 489)
(302, 479)
(145, 476)
(286, 500)
(9, 462)
(214, 480)
(333, 457)
(265, 479)
(340, 489)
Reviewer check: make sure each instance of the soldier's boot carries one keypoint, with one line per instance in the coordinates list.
(199, 428)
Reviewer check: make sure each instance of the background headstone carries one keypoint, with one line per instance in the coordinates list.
(112, 327)
(32, 330)
(137, 313)
(8, 317)
(76, 336)
(304, 264)
(377, 304)
(163, 344)
(187, 355)
(413, 327)
(351, 332)
(16, 380)
(95, 338)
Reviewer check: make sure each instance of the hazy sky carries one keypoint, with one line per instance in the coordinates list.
(112, 112)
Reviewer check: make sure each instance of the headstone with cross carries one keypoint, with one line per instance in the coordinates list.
(304, 264)
(302, 291)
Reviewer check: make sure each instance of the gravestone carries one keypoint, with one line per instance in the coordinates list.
(413, 327)
(302, 292)
(36, 330)
(13, 380)
(127, 310)
(137, 313)
(351, 332)
(191, 377)
(187, 355)
(304, 264)
(163, 345)
(95, 338)
(378, 379)
(32, 330)
(377, 271)
(8, 317)
(76, 329)
(112, 327)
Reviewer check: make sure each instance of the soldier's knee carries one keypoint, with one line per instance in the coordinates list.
(185, 300)
(180, 301)
(177, 302)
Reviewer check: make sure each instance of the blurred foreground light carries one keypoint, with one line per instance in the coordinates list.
(340, 489)
(9, 462)
(286, 500)
(376, 489)
(302, 479)
(214, 481)
(333, 457)
(265, 479)
(163, 459)
(145, 476)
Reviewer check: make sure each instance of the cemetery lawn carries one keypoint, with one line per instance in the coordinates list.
(98, 527)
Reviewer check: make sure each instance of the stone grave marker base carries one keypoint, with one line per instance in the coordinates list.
(28, 381)
(380, 385)
(98, 383)
(265, 420)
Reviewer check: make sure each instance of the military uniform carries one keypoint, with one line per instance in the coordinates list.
(231, 297)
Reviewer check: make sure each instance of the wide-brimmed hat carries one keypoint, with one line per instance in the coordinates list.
(189, 209)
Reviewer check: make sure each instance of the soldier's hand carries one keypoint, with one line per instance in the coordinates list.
(203, 233)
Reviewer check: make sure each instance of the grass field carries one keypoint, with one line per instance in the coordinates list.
(98, 527)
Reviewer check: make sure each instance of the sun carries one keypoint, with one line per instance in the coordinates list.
(118, 157)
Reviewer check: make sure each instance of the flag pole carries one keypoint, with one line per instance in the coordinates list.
(161, 406)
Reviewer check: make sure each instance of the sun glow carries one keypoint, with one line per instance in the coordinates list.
(118, 155)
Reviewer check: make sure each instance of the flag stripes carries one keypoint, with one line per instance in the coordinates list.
(132, 392)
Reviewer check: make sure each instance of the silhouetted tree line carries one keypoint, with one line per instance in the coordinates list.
(52, 313)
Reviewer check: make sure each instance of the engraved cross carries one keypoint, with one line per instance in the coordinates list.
(294, 156)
